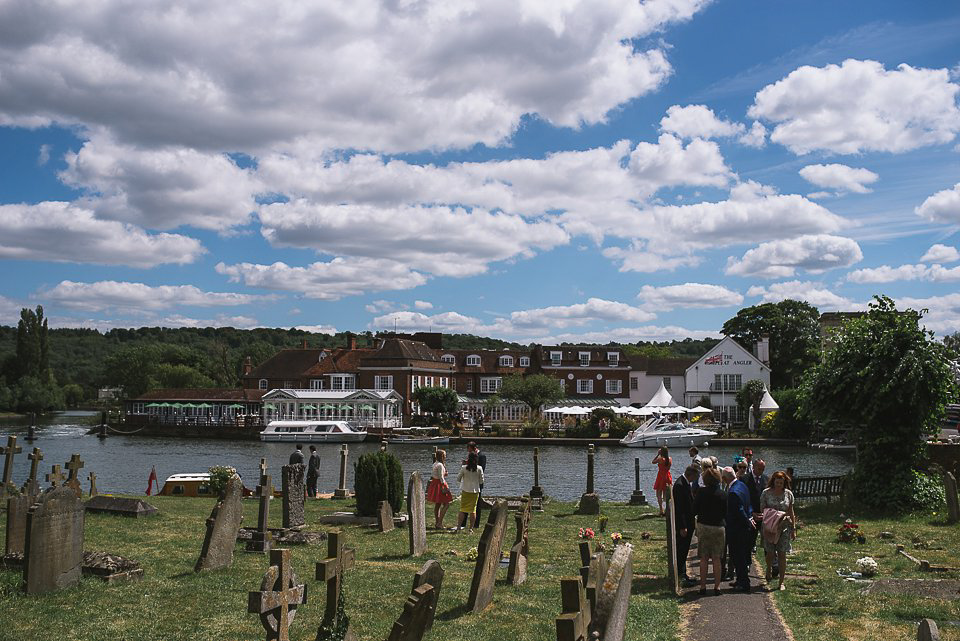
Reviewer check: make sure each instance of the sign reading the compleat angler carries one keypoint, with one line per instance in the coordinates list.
(725, 359)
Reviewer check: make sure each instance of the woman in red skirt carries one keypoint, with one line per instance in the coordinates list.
(664, 481)
(438, 492)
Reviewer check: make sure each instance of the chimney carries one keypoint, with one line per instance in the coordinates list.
(247, 366)
(763, 350)
(351, 341)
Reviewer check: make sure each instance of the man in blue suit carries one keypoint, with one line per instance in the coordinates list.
(739, 526)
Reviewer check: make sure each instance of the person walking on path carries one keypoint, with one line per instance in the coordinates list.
(313, 472)
(739, 523)
(779, 524)
(297, 456)
(683, 518)
(710, 506)
(438, 492)
(471, 479)
(756, 483)
(482, 462)
(664, 480)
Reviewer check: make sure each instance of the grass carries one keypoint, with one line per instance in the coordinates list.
(828, 607)
(172, 602)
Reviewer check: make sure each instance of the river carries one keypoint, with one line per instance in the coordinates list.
(122, 463)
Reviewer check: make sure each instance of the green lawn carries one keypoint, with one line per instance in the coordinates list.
(172, 602)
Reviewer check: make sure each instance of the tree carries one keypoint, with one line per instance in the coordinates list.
(794, 330)
(888, 380)
(437, 401)
(952, 343)
(535, 390)
(32, 344)
(72, 394)
(749, 398)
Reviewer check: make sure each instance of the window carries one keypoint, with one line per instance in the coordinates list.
(448, 358)
(634, 383)
(614, 386)
(555, 358)
(473, 360)
(584, 359)
(563, 384)
(490, 385)
(506, 361)
(524, 361)
(613, 358)
(289, 384)
(469, 384)
(342, 382)
(263, 383)
(138, 408)
(584, 386)
(727, 382)
(383, 382)
(666, 382)
(316, 383)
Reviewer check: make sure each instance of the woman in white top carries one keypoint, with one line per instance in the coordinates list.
(438, 492)
(471, 478)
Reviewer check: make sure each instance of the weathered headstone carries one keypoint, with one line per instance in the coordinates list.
(262, 538)
(55, 477)
(928, 631)
(93, 483)
(278, 598)
(53, 553)
(430, 574)
(9, 451)
(122, 506)
(673, 572)
(637, 498)
(73, 480)
(593, 570)
(488, 558)
(222, 528)
(589, 501)
(416, 515)
(330, 571)
(17, 507)
(384, 516)
(294, 489)
(613, 598)
(520, 552)
(953, 502)
(32, 486)
(342, 492)
(412, 624)
(574, 620)
(536, 492)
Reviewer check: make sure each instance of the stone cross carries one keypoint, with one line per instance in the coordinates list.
(11, 449)
(35, 457)
(73, 480)
(589, 501)
(591, 450)
(637, 498)
(953, 503)
(330, 570)
(263, 467)
(536, 492)
(341, 491)
(574, 620)
(93, 483)
(278, 598)
(262, 538)
(55, 477)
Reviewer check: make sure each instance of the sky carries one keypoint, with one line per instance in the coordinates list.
(537, 171)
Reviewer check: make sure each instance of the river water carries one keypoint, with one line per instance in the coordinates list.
(122, 463)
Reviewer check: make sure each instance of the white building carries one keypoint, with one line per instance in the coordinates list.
(721, 372)
(646, 374)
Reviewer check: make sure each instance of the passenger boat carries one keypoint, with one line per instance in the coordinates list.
(659, 431)
(417, 436)
(190, 485)
(312, 432)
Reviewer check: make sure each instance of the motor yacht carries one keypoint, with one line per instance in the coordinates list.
(660, 431)
(312, 432)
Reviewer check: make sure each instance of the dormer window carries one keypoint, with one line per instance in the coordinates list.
(448, 358)
(263, 383)
(506, 361)
(323, 355)
(473, 360)
(613, 358)
(584, 359)
(555, 358)
(524, 361)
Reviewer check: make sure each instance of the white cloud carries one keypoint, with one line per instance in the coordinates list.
(698, 121)
(381, 306)
(755, 137)
(859, 106)
(9, 311)
(628, 335)
(111, 294)
(888, 274)
(688, 295)
(318, 329)
(326, 281)
(63, 232)
(942, 207)
(782, 258)
(941, 254)
(240, 322)
(636, 258)
(362, 74)
(840, 177)
(422, 304)
(943, 312)
(814, 293)
(818, 195)
(595, 309)
(44, 156)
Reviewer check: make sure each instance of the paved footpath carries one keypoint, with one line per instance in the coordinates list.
(732, 615)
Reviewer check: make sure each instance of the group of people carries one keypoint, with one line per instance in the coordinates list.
(313, 468)
(728, 508)
(470, 478)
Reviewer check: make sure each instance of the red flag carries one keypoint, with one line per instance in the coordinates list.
(152, 480)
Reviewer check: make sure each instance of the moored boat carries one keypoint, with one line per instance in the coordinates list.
(417, 436)
(312, 432)
(659, 432)
(190, 485)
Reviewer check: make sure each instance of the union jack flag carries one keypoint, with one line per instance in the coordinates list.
(714, 360)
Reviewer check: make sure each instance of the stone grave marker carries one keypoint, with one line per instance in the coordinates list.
(262, 538)
(673, 573)
(73, 480)
(55, 477)
(589, 501)
(222, 528)
(488, 558)
(953, 502)
(520, 552)
(430, 574)
(944, 589)
(536, 492)
(593, 570)
(330, 570)
(93, 483)
(32, 486)
(928, 631)
(278, 598)
(53, 554)
(412, 624)
(17, 507)
(613, 597)
(294, 489)
(9, 451)
(574, 620)
(416, 515)
(384, 516)
(342, 492)
(637, 498)
(104, 504)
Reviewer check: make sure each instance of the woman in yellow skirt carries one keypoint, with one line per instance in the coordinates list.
(471, 478)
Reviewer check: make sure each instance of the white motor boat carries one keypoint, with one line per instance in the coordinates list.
(659, 431)
(312, 432)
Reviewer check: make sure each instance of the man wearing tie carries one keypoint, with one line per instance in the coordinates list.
(739, 525)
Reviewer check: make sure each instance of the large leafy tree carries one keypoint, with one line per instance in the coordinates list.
(32, 355)
(534, 391)
(794, 330)
(437, 401)
(887, 380)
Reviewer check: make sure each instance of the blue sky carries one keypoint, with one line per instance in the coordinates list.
(535, 171)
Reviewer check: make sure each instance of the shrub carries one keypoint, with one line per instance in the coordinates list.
(378, 476)
(787, 421)
(620, 426)
(219, 475)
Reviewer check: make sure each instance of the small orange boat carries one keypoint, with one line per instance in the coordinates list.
(190, 485)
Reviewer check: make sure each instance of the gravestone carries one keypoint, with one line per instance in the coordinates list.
(928, 631)
(93, 483)
(17, 507)
(673, 572)
(637, 498)
(416, 515)
(613, 598)
(574, 621)
(294, 489)
(520, 552)
(222, 528)
(430, 574)
(262, 538)
(488, 558)
(953, 503)
(53, 553)
(9, 451)
(341, 492)
(32, 486)
(536, 492)
(278, 598)
(135, 508)
(384, 516)
(73, 480)
(589, 501)
(412, 624)
(55, 477)
(330, 571)
(593, 570)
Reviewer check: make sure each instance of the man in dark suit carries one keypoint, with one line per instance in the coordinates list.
(683, 519)
(739, 525)
(482, 462)
(297, 456)
(756, 482)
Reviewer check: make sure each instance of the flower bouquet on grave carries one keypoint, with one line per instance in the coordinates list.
(587, 533)
(850, 532)
(602, 523)
(867, 566)
(616, 537)
(472, 554)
